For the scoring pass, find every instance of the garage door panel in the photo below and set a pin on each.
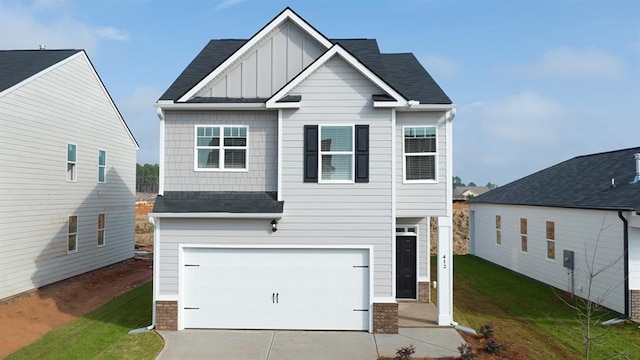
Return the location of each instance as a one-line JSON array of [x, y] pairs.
[[276, 289]]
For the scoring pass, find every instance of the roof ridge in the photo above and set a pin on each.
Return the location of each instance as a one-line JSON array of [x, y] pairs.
[[607, 152]]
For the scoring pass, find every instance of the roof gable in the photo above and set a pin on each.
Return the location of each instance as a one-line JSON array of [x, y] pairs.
[[582, 182], [17, 66]]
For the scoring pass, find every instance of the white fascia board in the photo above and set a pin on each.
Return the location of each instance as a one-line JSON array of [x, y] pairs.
[[283, 105], [210, 106], [351, 60], [287, 14], [388, 104], [220, 215], [428, 107]]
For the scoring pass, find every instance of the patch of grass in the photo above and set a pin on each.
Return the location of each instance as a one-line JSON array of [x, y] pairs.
[[102, 333], [528, 315]]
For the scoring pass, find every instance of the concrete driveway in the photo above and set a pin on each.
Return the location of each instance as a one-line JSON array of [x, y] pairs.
[[434, 342]]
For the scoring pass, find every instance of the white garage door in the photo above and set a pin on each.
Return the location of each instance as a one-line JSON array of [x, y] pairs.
[[313, 289]]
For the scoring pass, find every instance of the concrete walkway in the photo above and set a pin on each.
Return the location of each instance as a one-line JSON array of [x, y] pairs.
[[436, 342]]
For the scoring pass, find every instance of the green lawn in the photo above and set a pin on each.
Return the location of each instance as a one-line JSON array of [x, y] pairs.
[[530, 315], [102, 333]]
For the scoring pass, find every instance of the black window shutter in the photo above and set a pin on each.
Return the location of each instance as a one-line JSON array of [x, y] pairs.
[[311, 153], [362, 153]]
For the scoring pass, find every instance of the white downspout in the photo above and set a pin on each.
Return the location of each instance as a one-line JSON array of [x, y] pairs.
[[155, 261]]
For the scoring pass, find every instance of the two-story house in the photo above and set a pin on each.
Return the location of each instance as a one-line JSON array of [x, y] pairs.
[[298, 174], [67, 171]]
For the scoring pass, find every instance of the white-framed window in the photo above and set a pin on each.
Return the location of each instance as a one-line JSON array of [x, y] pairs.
[[402, 229], [102, 165], [551, 240], [72, 234], [524, 246], [336, 153], [498, 230], [420, 153], [72, 155], [101, 226], [221, 148]]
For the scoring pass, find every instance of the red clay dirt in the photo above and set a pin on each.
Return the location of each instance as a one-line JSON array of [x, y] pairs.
[[28, 317]]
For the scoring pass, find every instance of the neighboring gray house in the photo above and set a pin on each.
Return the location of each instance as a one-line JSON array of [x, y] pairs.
[[297, 178], [587, 207], [67, 171], [462, 193]]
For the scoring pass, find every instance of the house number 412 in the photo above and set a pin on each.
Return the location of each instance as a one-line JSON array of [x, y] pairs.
[[444, 261]]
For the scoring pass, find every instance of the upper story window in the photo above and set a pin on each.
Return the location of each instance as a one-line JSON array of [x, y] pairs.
[[71, 162], [420, 154], [102, 164], [221, 148], [336, 153]]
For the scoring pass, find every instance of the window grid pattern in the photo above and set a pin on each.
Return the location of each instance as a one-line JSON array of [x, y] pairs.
[[420, 153], [221, 147]]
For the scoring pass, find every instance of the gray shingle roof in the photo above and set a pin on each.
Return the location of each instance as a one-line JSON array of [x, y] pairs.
[[581, 182], [403, 72], [217, 202], [19, 65]]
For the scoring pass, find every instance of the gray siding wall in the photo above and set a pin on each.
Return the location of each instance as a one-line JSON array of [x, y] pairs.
[[420, 199], [179, 152], [37, 120], [267, 67], [575, 229], [324, 214]]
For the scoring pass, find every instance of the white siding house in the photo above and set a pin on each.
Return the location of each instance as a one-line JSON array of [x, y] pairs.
[[586, 207], [67, 171], [297, 178]]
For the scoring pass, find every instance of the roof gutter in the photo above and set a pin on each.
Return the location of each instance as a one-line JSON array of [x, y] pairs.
[[415, 106], [625, 236], [169, 105], [217, 215]]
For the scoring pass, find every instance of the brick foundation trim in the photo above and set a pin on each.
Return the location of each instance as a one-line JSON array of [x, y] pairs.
[[385, 318], [635, 305], [167, 315], [424, 292]]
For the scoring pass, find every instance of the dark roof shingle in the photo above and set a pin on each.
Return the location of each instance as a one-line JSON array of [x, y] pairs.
[[581, 182], [237, 202], [19, 65]]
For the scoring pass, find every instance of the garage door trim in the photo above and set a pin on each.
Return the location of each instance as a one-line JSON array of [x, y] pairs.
[[181, 264]]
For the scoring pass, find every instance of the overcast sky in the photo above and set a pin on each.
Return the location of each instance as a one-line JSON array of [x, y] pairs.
[[536, 81]]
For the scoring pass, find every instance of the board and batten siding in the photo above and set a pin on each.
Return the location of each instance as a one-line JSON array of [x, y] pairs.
[[39, 118], [263, 70], [575, 229], [180, 130], [421, 199]]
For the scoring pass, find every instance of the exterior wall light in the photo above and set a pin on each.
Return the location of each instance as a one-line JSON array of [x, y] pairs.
[[274, 225]]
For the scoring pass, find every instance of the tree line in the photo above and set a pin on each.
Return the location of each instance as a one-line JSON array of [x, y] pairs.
[[457, 182], [147, 178]]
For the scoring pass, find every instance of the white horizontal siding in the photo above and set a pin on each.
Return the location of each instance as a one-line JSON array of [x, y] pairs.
[[64, 105], [268, 66], [583, 231], [179, 152], [420, 199], [634, 258]]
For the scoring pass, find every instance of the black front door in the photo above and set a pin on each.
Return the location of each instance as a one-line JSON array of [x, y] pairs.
[[406, 267]]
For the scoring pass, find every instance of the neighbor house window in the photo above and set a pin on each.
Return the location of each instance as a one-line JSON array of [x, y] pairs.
[[551, 240], [221, 148], [420, 153], [336, 153], [523, 234], [72, 231], [102, 163], [71, 162], [498, 230], [101, 226]]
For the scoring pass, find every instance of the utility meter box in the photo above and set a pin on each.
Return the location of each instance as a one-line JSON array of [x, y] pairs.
[[567, 259]]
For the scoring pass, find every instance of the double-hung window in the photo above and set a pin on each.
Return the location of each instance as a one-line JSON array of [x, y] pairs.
[[420, 153], [101, 227], [523, 235], [498, 230], [551, 240], [72, 234], [221, 148], [336, 153], [102, 164], [71, 162]]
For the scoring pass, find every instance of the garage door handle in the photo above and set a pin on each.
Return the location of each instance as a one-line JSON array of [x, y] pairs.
[[273, 296], [277, 298]]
